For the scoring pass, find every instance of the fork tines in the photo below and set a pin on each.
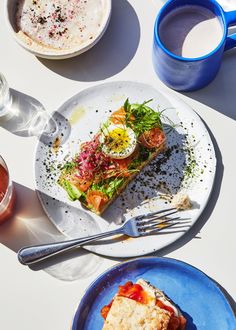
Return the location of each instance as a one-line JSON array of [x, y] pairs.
[[154, 222], [151, 217], [157, 224], [151, 214]]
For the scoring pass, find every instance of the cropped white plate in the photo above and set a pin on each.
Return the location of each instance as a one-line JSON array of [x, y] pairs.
[[189, 165]]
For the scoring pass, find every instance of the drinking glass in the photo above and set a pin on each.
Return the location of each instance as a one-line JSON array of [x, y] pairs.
[[23, 114], [5, 97], [7, 194]]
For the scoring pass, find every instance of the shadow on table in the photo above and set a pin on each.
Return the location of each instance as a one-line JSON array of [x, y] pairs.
[[110, 55], [27, 117], [30, 226], [220, 94]]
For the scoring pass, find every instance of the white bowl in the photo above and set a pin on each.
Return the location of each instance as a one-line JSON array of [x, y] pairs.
[[44, 52]]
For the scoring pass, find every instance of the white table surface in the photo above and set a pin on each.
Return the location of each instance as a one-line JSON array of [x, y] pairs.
[[47, 298]]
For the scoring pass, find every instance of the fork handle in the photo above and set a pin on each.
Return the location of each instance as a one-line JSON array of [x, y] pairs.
[[31, 254]]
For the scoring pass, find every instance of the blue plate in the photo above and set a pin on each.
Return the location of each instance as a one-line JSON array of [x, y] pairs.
[[200, 299]]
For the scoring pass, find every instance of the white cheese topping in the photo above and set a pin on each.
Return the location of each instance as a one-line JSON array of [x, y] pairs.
[[154, 292]]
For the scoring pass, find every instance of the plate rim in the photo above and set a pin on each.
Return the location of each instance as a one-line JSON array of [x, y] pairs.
[[171, 98], [172, 261]]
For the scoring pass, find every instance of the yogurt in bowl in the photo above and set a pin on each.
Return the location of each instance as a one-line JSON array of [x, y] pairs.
[[58, 28]]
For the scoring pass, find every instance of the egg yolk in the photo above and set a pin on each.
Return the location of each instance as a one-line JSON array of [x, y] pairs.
[[117, 140]]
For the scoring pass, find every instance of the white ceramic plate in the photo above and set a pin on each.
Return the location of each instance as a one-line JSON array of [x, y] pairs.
[[189, 165]]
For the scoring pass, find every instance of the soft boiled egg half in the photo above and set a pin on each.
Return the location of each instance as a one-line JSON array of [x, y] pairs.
[[118, 141]]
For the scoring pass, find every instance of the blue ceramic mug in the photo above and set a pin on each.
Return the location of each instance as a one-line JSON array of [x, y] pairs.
[[188, 74]]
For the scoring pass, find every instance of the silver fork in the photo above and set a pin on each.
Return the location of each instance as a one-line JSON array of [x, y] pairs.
[[146, 224]]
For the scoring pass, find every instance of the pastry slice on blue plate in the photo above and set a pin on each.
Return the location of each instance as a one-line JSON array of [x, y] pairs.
[[141, 306]]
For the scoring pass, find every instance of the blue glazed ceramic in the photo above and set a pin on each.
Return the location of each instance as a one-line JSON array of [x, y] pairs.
[[188, 74], [199, 298]]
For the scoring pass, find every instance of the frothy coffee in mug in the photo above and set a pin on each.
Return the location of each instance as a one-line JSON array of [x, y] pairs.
[[191, 31]]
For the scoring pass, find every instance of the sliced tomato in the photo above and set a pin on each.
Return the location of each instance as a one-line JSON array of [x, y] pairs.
[[82, 184], [124, 288], [105, 310], [153, 138], [96, 199], [118, 116], [133, 291], [174, 323], [183, 322], [107, 174], [160, 304], [123, 164]]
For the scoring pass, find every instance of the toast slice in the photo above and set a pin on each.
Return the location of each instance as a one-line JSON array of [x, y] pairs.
[[129, 140], [127, 314], [142, 306]]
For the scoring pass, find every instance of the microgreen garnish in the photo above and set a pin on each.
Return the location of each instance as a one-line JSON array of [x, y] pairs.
[[68, 166], [141, 117]]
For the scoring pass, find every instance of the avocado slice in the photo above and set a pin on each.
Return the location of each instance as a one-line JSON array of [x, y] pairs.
[[73, 192]]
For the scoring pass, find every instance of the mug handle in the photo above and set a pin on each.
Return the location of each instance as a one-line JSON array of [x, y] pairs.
[[230, 18]]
